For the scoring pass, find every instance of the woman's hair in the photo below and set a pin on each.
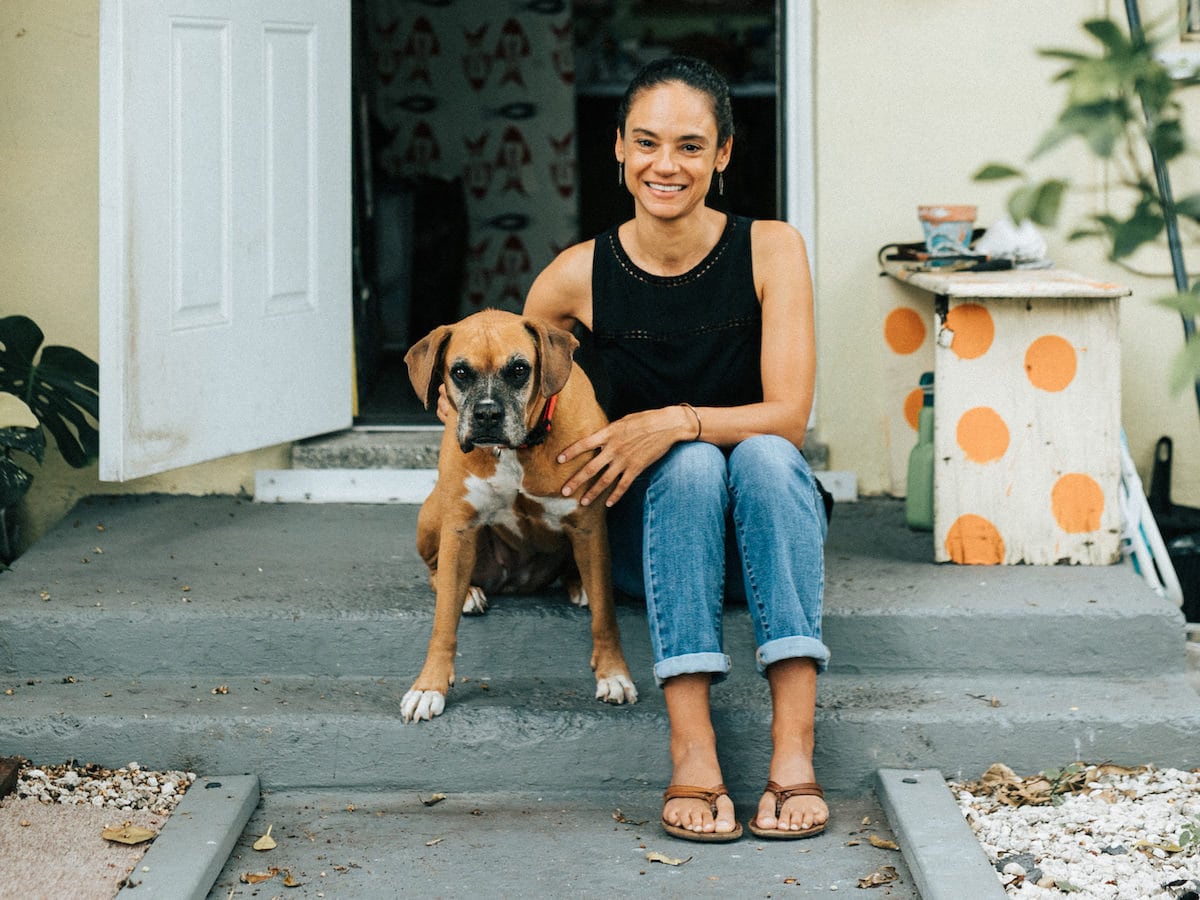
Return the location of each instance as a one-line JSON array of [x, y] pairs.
[[696, 74]]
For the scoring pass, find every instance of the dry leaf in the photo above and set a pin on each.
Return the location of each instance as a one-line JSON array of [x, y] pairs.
[[436, 798], [619, 816], [259, 877], [434, 842], [655, 856], [289, 881], [221, 689], [266, 842], [24, 823], [128, 834], [883, 843], [882, 875]]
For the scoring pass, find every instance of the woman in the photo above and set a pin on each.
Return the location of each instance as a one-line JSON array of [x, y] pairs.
[[703, 327]]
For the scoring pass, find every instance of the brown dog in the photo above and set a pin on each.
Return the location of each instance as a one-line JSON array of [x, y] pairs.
[[496, 520]]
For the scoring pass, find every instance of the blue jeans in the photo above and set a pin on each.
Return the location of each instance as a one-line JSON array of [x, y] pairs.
[[673, 545]]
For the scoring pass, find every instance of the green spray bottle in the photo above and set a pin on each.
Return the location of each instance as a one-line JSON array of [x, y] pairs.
[[918, 498]]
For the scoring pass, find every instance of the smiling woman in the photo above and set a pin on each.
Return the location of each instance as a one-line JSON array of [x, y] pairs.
[[703, 343]]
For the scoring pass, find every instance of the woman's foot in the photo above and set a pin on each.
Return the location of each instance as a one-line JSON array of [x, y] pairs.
[[695, 814], [793, 695], [694, 758], [796, 817]]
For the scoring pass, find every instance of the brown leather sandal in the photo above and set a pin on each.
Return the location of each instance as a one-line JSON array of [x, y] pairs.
[[782, 794], [709, 796]]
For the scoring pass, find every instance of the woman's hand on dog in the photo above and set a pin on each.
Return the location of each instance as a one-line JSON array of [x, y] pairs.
[[624, 449]]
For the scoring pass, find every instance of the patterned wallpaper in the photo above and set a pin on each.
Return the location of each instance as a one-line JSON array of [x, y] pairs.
[[482, 90]]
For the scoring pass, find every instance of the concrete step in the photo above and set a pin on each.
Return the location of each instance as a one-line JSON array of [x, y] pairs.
[[550, 735], [216, 586]]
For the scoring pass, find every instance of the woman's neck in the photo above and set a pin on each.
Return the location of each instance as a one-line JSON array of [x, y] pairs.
[[675, 246]]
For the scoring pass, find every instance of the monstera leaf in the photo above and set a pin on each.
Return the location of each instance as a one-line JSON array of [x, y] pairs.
[[15, 481], [62, 388]]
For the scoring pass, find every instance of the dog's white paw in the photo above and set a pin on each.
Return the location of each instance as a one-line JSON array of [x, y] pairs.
[[417, 705], [476, 603], [616, 689], [577, 595]]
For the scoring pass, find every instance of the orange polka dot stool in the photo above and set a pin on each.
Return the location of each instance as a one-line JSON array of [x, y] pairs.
[[1027, 429]]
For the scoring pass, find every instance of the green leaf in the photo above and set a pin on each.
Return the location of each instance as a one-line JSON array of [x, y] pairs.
[[1142, 227], [995, 172], [1167, 138], [1185, 304], [62, 388], [14, 483], [1185, 366], [27, 440], [1189, 206], [1048, 201], [1110, 35]]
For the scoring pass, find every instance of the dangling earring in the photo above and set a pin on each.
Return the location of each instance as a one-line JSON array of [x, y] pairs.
[[721, 183], [620, 173]]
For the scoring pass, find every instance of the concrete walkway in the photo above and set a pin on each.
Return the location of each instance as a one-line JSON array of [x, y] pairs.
[[231, 637]]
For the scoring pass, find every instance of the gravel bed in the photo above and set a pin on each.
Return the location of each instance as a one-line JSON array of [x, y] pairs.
[[127, 788], [1089, 831]]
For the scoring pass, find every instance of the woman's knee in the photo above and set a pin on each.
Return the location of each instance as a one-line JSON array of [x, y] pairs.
[[691, 466], [768, 459]]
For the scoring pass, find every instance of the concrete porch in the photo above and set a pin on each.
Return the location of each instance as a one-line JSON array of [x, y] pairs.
[[227, 636]]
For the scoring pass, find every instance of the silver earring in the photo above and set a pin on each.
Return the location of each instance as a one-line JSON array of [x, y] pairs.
[[620, 173], [721, 183]]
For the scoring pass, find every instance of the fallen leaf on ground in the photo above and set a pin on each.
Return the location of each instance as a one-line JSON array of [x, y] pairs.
[[883, 843], [221, 689], [289, 881], [259, 877], [625, 820], [128, 834], [882, 875], [434, 842], [655, 856], [436, 798], [266, 842]]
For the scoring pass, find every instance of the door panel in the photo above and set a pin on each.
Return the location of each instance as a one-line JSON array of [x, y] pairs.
[[225, 242]]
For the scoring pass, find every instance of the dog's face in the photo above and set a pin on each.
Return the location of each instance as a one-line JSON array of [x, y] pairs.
[[498, 369]]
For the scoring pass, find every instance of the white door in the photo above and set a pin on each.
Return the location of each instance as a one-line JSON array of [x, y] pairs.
[[225, 228]]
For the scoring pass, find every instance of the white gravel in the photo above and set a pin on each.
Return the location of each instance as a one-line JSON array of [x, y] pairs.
[[1110, 833], [127, 788]]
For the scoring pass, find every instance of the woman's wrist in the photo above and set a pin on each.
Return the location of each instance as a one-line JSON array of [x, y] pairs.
[[693, 417]]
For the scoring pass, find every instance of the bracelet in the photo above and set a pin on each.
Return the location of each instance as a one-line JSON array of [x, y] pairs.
[[699, 426]]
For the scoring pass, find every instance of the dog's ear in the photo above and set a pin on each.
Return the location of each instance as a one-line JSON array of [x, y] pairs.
[[424, 361], [556, 348]]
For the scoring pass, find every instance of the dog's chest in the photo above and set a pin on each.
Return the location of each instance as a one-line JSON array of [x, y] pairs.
[[500, 499]]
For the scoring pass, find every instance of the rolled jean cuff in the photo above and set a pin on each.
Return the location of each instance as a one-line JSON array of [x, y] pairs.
[[792, 648], [717, 664]]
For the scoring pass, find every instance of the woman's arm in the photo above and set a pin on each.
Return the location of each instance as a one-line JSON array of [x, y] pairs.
[[788, 360]]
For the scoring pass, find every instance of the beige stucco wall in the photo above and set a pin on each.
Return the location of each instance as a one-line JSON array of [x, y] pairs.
[[912, 98]]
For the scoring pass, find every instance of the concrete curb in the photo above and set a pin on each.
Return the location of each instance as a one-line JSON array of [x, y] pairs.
[[190, 852], [942, 854]]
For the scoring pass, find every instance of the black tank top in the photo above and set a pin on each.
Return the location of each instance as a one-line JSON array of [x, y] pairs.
[[693, 338]]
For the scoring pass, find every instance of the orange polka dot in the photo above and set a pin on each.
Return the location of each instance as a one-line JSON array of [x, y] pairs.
[[982, 434], [973, 330], [1077, 502], [1050, 363], [912, 407], [904, 330], [974, 541]]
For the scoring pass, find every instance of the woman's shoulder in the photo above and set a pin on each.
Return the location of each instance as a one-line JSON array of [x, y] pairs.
[[563, 290], [773, 235]]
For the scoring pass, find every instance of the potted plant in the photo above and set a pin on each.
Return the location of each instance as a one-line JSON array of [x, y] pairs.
[[1123, 102], [61, 390]]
